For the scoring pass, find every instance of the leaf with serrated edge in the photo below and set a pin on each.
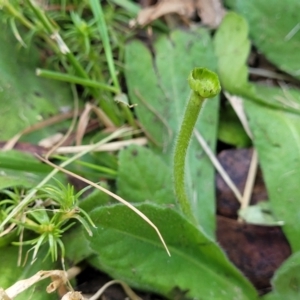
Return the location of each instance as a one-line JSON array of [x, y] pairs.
[[129, 249]]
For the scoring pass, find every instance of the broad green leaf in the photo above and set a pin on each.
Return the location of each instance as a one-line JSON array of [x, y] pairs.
[[95, 199], [22, 161], [10, 179], [144, 176], [232, 48], [286, 280], [275, 30], [26, 99], [8, 238], [19, 169], [11, 272], [129, 249], [76, 245], [277, 139], [159, 86], [271, 296]]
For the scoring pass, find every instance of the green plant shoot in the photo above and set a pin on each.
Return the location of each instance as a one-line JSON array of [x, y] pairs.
[[204, 84]]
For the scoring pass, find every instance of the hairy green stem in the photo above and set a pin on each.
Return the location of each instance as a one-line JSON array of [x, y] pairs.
[[189, 120], [204, 84]]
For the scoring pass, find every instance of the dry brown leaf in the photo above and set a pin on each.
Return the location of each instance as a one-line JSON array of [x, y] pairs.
[[51, 140], [73, 296], [85, 118], [211, 12], [164, 7], [24, 284], [129, 292], [3, 295]]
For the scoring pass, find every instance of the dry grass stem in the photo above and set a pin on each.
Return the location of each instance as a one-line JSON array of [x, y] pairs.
[[129, 292], [218, 166], [51, 121], [113, 146], [237, 104], [24, 284], [250, 180]]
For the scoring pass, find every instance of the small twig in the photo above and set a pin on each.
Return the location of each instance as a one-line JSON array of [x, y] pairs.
[[84, 120], [237, 105], [106, 121], [130, 293], [7, 231]]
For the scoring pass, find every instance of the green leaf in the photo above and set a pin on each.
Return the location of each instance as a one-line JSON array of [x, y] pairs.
[[129, 249], [275, 30], [277, 139], [271, 296], [159, 86], [259, 214], [26, 99], [22, 161], [231, 130], [11, 273], [77, 246], [20, 169], [286, 281], [144, 176], [95, 199], [232, 48]]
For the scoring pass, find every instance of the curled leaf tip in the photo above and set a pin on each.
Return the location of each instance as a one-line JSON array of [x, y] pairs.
[[204, 82]]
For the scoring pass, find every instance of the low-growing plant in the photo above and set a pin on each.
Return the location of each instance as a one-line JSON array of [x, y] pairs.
[[170, 183]]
